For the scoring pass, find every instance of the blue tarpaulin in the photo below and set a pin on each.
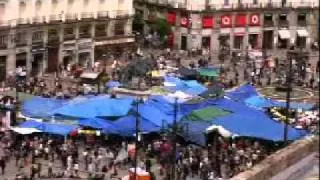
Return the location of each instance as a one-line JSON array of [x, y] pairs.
[[98, 123], [127, 125], [294, 105], [51, 128], [195, 131], [39, 107], [259, 102], [242, 93], [101, 106], [190, 87]]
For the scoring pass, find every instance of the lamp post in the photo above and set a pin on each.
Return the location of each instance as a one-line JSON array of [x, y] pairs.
[[288, 96], [137, 138], [174, 140]]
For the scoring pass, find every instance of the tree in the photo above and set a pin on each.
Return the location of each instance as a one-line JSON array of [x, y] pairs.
[[162, 27], [137, 23]]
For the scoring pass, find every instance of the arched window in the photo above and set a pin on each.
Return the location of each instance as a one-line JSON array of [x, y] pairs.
[[54, 5], [22, 7], [38, 7]]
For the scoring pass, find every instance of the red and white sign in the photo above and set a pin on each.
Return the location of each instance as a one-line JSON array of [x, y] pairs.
[[171, 18], [207, 22], [226, 21], [184, 21], [241, 20], [254, 20]]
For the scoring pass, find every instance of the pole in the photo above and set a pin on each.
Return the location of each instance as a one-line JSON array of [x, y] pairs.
[[174, 140], [137, 141], [285, 135]]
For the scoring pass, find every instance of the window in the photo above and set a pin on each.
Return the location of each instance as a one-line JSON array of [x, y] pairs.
[[238, 42], [22, 7], [84, 31], [54, 4], [21, 38], [121, 2], [255, 2], [268, 17], [85, 2], [53, 33], [68, 31], [100, 30], [226, 2], [38, 5], [119, 28], [283, 17], [301, 17], [37, 36], [3, 39], [102, 1]]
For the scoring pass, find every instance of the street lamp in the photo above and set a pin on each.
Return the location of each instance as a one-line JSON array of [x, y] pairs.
[[138, 101]]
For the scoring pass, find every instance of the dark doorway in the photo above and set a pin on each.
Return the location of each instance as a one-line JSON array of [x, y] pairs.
[[254, 41], [3, 62], [206, 41], [267, 40], [53, 59], [184, 42], [36, 64]]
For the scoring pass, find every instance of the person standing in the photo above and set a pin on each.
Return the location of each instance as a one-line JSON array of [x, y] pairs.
[[2, 165]]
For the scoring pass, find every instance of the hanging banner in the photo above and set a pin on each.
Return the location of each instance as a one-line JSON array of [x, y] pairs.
[[171, 18], [226, 21], [207, 22], [254, 20], [241, 20]]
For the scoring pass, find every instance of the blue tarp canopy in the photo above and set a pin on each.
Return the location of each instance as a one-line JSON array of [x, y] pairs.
[[39, 107], [101, 106], [190, 87], [97, 123], [195, 131], [113, 84], [51, 128], [260, 102], [127, 125], [242, 93], [295, 105]]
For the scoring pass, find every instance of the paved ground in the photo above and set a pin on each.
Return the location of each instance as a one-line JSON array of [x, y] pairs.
[[306, 169]]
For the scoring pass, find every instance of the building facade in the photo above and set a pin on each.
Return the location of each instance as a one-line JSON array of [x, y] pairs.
[[41, 35], [240, 25]]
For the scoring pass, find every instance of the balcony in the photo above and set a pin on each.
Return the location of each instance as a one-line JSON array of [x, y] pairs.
[[268, 23], [39, 19], [53, 39], [103, 15], [302, 23], [21, 21], [100, 33], [21, 43], [70, 17], [84, 35], [68, 37], [87, 15], [283, 24], [55, 18]]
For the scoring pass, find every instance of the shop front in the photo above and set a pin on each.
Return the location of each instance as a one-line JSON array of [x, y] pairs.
[[3, 71], [37, 64]]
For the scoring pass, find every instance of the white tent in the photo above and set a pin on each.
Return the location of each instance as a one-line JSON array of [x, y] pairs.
[[224, 132], [24, 131]]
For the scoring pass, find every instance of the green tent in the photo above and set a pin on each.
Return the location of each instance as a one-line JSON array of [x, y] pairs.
[[206, 114], [210, 72]]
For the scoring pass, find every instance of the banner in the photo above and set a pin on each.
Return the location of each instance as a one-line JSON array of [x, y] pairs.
[[184, 21], [171, 18], [226, 21], [207, 22], [241, 20], [254, 20]]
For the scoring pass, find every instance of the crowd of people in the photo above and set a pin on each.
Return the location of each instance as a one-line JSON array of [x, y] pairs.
[[41, 156]]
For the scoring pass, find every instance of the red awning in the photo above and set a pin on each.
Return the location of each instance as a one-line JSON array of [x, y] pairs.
[[207, 22], [171, 18], [241, 20]]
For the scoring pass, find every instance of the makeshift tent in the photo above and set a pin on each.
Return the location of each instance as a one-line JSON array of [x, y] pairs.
[[194, 131], [113, 84], [260, 102], [212, 92], [242, 93], [51, 128], [105, 125], [206, 114], [41, 107], [127, 125], [210, 72], [101, 106], [294, 105]]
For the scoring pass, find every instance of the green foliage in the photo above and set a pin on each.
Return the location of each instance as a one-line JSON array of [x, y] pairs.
[[162, 27], [138, 67]]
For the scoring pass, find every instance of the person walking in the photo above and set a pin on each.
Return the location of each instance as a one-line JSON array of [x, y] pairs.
[[2, 165]]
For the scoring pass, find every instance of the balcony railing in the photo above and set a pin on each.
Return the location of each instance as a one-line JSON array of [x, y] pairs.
[[68, 37], [266, 5], [21, 43], [87, 15], [39, 19], [84, 35], [302, 23], [268, 23], [103, 14], [55, 18], [71, 17], [53, 39], [283, 23], [23, 21], [3, 46]]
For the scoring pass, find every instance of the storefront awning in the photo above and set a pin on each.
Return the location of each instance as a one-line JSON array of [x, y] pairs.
[[284, 34], [89, 75], [302, 33]]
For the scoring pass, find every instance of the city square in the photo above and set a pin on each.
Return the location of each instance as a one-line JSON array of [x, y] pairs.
[[159, 89]]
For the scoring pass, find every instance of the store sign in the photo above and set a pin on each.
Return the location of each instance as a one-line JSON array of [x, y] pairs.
[[207, 22], [171, 18], [226, 21], [184, 21], [241, 20], [254, 20]]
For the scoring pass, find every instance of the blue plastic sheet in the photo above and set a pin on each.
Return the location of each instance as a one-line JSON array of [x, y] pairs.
[[102, 106], [113, 84], [127, 126], [242, 93], [98, 123], [51, 128], [39, 107]]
